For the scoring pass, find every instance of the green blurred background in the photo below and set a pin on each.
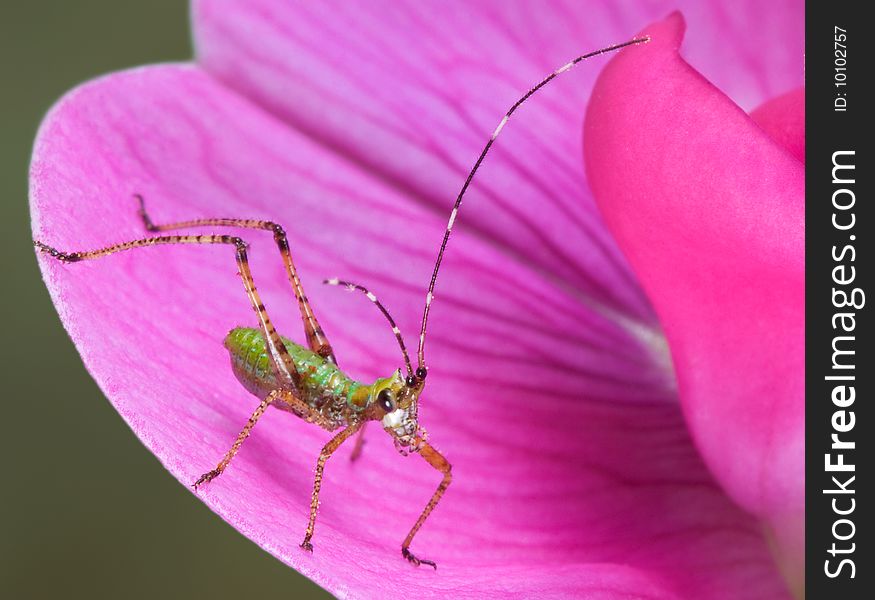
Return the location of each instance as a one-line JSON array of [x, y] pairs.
[[85, 510]]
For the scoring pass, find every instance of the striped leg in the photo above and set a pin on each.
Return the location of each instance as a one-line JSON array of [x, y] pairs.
[[284, 397], [329, 448], [282, 363], [316, 338], [241, 437], [435, 459]]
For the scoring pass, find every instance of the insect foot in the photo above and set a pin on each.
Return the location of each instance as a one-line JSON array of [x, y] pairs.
[[206, 478], [306, 545], [54, 253], [406, 553]]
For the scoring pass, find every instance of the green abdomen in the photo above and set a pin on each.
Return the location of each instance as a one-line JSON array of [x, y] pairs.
[[322, 382]]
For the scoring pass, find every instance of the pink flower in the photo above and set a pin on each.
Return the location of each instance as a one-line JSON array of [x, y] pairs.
[[578, 472]]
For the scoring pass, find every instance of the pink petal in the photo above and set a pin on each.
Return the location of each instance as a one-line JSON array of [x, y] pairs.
[[783, 118], [557, 492], [411, 91], [709, 211]]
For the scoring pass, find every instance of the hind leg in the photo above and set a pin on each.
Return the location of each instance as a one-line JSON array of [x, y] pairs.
[[281, 362], [316, 338]]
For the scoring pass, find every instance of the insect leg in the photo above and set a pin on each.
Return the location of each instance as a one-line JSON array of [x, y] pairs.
[[281, 361], [324, 455], [241, 437], [436, 460], [316, 339], [359, 443]]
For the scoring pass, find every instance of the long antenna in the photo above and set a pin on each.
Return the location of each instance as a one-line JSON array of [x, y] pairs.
[[356, 287], [421, 370]]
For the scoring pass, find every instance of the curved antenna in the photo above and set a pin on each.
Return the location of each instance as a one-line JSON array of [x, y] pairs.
[[437, 265], [356, 287]]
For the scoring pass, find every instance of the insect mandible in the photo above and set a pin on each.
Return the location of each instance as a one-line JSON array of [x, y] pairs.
[[306, 381]]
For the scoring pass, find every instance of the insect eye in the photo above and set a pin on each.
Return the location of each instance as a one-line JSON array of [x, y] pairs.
[[421, 373], [410, 381], [386, 400]]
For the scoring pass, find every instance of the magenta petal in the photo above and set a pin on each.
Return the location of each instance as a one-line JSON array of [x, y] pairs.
[[411, 89], [709, 211], [558, 492], [783, 118]]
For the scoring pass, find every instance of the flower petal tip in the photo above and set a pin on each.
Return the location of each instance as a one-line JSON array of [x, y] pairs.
[[669, 32]]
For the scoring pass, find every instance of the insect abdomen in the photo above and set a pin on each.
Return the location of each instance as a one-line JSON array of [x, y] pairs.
[[324, 386]]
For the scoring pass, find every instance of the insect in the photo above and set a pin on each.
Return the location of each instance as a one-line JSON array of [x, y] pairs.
[[305, 380]]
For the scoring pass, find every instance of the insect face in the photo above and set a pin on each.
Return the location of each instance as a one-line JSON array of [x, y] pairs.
[[395, 402]]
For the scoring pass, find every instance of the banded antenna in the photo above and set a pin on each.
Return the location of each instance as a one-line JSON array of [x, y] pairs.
[[421, 370], [356, 287]]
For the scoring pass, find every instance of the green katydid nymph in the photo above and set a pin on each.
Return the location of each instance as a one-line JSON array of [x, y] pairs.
[[305, 379]]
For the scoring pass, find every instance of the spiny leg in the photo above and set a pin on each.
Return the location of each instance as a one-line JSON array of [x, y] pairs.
[[327, 450], [241, 437], [281, 362], [298, 406], [436, 460], [316, 339]]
